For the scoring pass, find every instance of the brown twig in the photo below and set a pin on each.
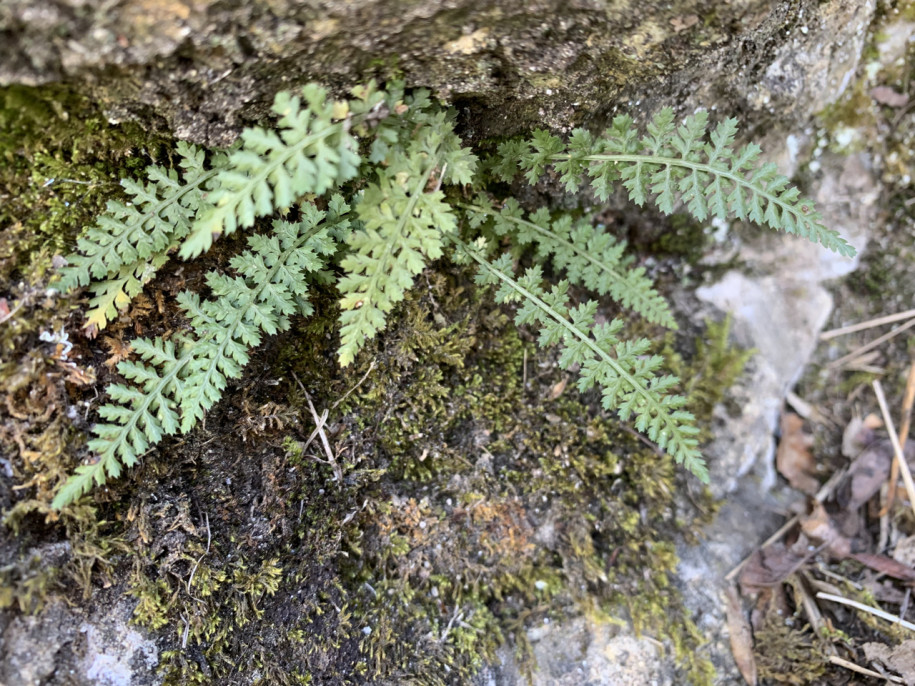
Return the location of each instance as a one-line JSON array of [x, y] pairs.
[[854, 354], [834, 659]]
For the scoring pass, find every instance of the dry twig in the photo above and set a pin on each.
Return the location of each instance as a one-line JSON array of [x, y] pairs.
[[854, 354], [879, 321], [897, 449], [877, 612]]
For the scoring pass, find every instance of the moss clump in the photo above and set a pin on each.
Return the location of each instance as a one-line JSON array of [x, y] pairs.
[[788, 655], [61, 162]]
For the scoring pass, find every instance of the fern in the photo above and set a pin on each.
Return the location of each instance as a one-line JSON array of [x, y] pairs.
[[312, 151], [404, 226], [176, 382], [407, 217], [679, 163], [626, 377], [131, 242], [588, 256]]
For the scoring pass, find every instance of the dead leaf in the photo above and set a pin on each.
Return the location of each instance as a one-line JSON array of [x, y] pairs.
[[793, 459], [558, 388], [680, 24], [885, 565], [822, 530], [859, 434], [889, 96], [865, 475], [741, 636], [769, 566], [900, 659], [118, 350]]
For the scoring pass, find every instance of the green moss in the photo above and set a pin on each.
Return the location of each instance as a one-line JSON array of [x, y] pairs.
[[61, 162]]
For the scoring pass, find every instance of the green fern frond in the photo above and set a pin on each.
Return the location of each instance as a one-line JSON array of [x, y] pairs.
[[627, 377], [128, 244], [588, 255], [403, 227], [174, 385], [670, 164], [312, 151]]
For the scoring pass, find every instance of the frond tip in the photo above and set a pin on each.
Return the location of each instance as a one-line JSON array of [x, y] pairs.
[[670, 164], [174, 383], [627, 377]]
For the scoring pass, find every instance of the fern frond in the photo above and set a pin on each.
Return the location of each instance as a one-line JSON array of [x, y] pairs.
[[122, 252], [588, 255], [627, 377], [403, 226], [312, 151], [174, 385], [670, 164]]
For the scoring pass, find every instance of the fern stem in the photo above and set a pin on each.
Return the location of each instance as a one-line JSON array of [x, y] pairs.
[[401, 225], [281, 160], [184, 191], [669, 162], [187, 353]]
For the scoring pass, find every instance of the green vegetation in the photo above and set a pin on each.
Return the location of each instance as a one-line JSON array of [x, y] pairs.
[[403, 220], [472, 495]]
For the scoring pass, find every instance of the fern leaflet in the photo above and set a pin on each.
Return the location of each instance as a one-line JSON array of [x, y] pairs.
[[175, 384], [589, 256], [311, 152], [123, 251], [671, 162], [620, 368], [403, 227]]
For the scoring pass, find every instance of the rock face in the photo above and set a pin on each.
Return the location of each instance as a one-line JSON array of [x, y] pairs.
[[199, 68]]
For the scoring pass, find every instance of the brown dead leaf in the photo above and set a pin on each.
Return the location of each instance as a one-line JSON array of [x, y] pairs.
[[859, 434], [819, 527], [865, 475], [118, 350], [885, 565], [558, 388], [769, 566], [793, 459], [889, 96], [741, 637], [900, 659]]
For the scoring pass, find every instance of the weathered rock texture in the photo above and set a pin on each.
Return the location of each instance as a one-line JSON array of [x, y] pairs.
[[199, 68]]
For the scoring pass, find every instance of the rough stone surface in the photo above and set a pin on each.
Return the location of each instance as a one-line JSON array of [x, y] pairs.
[[200, 68], [95, 645]]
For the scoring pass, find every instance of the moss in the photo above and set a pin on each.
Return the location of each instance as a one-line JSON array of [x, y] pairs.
[[61, 161], [473, 496], [787, 655], [851, 122]]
